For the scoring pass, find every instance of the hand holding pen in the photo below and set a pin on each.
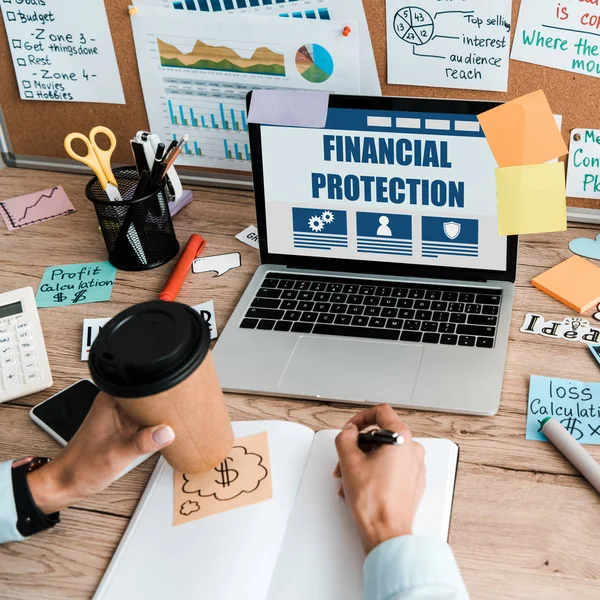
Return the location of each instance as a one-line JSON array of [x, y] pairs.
[[382, 487]]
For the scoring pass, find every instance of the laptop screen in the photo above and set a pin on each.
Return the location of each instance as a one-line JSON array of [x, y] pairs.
[[386, 186]]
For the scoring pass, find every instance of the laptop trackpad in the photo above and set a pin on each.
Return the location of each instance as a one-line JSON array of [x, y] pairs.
[[358, 370]]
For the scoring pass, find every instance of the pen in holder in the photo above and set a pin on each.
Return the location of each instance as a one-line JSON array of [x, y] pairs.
[[138, 233]]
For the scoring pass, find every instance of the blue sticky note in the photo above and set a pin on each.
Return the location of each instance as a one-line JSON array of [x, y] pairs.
[[76, 284], [575, 404]]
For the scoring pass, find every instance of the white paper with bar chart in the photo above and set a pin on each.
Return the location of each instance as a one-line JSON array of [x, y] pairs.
[[195, 74]]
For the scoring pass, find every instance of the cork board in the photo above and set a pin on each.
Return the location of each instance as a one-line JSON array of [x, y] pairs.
[[38, 128]]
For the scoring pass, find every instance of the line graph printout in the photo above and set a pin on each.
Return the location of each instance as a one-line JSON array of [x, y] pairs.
[[196, 73], [36, 207], [352, 10], [458, 44], [563, 35]]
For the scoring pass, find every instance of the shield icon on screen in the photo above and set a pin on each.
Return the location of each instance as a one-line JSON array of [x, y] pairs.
[[452, 230]]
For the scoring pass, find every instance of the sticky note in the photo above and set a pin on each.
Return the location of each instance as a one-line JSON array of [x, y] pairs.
[[35, 207], [289, 108], [76, 284], [523, 131], [531, 199], [574, 282], [573, 403], [243, 478]]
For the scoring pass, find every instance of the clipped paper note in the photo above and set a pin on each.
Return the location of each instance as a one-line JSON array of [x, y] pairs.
[[575, 282], [62, 51], [562, 35], [242, 479], [36, 207], [207, 311], [573, 403], [437, 44], [583, 176], [531, 199], [91, 329], [523, 131], [64, 285], [249, 236], [220, 264]]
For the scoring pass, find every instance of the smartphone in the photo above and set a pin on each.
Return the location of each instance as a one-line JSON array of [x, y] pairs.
[[61, 415]]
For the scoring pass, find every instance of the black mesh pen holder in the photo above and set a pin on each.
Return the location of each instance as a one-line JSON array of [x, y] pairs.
[[139, 233]]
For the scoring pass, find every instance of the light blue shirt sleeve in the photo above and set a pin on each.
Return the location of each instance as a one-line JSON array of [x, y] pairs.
[[413, 568], [8, 510]]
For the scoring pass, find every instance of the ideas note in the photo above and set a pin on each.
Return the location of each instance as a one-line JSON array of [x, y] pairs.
[[455, 44], [242, 479]]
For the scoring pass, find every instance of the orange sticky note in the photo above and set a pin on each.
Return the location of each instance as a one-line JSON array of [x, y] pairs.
[[242, 479], [574, 282], [523, 131]]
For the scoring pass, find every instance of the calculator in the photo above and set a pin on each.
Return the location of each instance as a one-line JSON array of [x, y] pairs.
[[24, 367]]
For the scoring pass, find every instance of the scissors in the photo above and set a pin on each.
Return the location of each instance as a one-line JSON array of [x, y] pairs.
[[97, 159]]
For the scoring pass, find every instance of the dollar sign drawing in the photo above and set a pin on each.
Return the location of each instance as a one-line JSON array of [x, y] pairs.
[[60, 297], [80, 295], [228, 476], [570, 424]]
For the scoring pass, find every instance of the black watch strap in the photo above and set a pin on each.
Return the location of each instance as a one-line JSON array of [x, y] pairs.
[[30, 519]]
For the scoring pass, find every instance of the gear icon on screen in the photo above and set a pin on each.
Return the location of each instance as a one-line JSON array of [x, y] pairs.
[[327, 217], [316, 224]]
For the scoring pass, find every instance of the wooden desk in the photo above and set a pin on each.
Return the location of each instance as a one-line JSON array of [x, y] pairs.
[[524, 524]]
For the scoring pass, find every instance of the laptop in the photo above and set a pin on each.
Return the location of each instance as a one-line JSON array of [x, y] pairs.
[[383, 276]]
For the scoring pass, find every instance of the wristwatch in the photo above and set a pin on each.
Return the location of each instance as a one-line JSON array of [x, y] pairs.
[[30, 519]]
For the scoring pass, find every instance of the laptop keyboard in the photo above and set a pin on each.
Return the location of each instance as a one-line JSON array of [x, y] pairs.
[[382, 310]]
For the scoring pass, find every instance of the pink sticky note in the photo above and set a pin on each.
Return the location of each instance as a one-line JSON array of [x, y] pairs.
[[34, 208]]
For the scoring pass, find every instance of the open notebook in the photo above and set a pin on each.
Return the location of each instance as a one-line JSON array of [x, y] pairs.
[[300, 544]]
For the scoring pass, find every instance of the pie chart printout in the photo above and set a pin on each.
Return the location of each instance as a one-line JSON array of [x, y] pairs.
[[314, 63]]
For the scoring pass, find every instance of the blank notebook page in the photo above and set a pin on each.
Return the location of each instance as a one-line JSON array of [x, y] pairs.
[[230, 556], [322, 557]]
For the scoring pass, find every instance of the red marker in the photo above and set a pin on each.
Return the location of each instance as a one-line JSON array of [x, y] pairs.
[[192, 250]]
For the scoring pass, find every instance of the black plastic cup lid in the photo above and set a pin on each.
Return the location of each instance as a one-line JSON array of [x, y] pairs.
[[148, 349]]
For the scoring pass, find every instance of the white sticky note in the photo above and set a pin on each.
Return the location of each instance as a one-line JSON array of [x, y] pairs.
[[63, 51], [207, 311], [562, 35], [91, 329], [220, 264], [249, 236], [583, 176], [462, 45], [289, 108]]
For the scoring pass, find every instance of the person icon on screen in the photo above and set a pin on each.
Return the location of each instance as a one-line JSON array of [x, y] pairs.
[[384, 229]]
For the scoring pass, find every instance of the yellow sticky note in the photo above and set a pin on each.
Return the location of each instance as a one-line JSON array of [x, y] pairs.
[[523, 131], [574, 282], [531, 199]]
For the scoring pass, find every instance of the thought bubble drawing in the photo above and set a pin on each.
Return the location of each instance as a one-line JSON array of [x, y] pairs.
[[189, 507], [240, 473], [220, 264]]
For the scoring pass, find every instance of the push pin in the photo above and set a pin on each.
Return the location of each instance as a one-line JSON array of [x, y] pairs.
[[133, 10], [347, 31], [577, 137]]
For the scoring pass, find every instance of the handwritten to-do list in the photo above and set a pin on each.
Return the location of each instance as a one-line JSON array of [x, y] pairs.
[[583, 176], [562, 34], [62, 50], [574, 403], [453, 44]]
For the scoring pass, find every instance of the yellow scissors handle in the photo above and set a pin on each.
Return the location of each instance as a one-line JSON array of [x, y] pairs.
[[104, 155], [90, 159]]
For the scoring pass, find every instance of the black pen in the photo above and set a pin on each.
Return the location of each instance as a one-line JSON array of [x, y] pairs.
[[169, 149], [379, 437]]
